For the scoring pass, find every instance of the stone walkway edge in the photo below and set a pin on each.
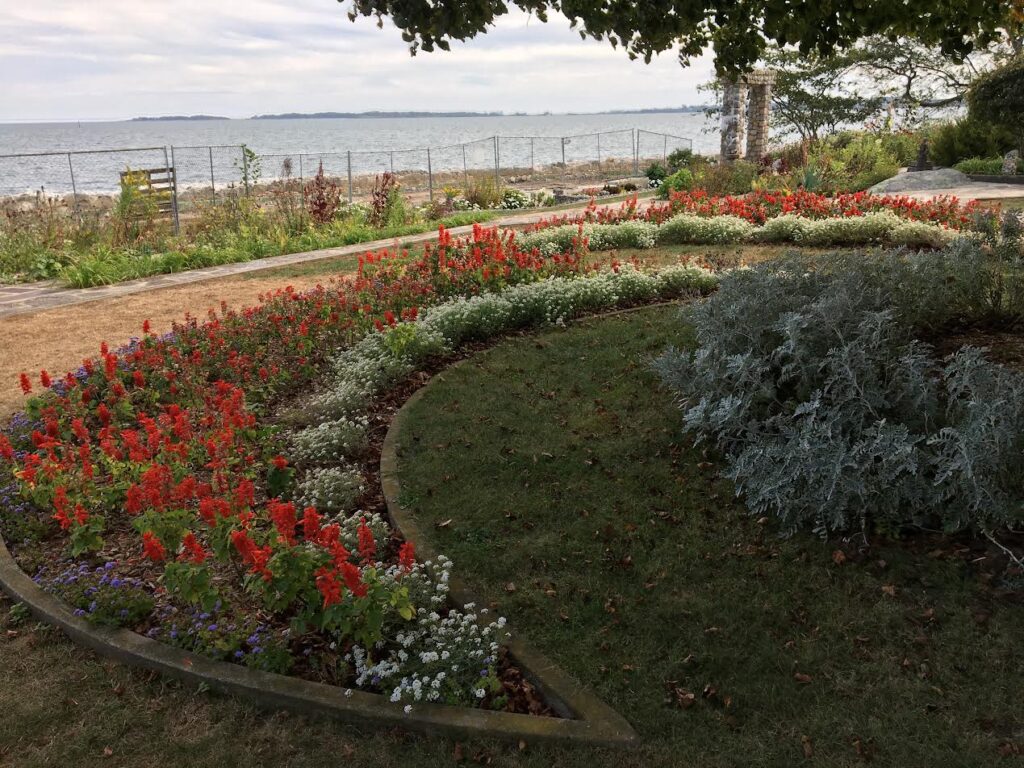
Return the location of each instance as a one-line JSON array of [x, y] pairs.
[[21, 299]]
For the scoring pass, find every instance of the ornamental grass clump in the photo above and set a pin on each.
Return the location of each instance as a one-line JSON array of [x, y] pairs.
[[832, 416]]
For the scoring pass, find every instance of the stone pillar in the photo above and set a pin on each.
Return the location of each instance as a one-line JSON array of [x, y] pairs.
[[760, 83], [734, 119]]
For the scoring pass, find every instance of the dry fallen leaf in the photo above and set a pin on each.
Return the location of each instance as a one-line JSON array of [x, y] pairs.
[[510, 587], [839, 557], [805, 740], [889, 589], [802, 678], [444, 523]]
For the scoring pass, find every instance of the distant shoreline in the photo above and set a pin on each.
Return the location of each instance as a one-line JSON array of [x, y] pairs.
[[378, 114]]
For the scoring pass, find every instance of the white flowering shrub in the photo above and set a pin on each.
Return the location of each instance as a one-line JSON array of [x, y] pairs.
[[719, 230], [831, 415], [349, 525], [330, 489], [330, 441], [921, 234], [514, 199]]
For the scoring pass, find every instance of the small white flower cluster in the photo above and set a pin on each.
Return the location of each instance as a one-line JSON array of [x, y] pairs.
[[331, 440], [687, 228], [330, 489], [600, 237], [514, 199], [440, 656]]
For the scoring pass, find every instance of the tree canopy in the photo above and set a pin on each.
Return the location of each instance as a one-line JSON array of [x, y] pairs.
[[738, 30], [998, 97]]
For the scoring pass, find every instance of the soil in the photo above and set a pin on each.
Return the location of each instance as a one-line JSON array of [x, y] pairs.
[[1002, 346]]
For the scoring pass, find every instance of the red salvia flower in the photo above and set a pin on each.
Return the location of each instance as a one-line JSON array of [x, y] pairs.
[[152, 548], [329, 586], [26, 383], [44, 379], [192, 550], [407, 556], [367, 545]]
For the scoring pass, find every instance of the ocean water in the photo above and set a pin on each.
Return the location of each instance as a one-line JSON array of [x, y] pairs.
[[207, 152]]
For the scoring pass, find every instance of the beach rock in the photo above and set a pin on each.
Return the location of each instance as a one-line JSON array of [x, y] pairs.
[[940, 178]]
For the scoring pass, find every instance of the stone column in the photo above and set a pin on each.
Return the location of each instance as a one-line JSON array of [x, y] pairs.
[[760, 83], [734, 119]]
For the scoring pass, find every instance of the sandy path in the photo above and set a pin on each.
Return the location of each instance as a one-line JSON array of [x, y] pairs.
[[57, 340]]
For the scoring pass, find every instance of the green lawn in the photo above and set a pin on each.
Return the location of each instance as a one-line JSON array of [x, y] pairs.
[[579, 510]]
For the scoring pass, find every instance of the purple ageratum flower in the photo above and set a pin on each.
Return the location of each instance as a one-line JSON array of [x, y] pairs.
[[212, 628], [79, 612], [239, 654]]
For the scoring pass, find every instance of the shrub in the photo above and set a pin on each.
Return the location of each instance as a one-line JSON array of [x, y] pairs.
[[680, 158], [986, 166], [832, 417], [679, 181], [514, 199], [484, 192], [969, 137], [735, 178], [998, 98], [656, 172]]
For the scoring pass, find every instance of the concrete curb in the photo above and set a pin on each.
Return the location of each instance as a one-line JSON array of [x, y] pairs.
[[273, 691], [585, 719]]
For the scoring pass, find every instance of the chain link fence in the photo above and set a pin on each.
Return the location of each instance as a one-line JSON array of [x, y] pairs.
[[206, 174]]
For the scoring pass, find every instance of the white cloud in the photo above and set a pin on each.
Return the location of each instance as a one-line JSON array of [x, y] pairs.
[[110, 59]]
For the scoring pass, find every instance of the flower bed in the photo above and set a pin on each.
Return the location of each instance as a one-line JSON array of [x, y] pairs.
[[162, 469], [800, 218]]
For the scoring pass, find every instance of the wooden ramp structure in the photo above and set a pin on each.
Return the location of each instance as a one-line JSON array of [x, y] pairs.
[[156, 187]]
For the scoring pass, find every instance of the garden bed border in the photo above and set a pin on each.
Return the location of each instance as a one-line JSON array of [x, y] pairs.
[[584, 719]]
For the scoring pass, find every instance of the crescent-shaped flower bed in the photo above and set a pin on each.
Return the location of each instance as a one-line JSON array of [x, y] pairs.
[[216, 489]]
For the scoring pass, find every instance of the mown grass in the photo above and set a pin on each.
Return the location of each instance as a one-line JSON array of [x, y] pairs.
[[582, 513], [579, 510]]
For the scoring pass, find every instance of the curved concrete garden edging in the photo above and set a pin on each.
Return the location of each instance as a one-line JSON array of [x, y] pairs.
[[584, 718], [275, 691]]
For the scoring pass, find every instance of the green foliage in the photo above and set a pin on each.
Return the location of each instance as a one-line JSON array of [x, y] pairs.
[[679, 181], [985, 166], [998, 97], [831, 415], [735, 178], [484, 192], [738, 36], [656, 172], [969, 137]]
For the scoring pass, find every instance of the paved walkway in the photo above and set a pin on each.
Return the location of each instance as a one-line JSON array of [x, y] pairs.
[[38, 297], [974, 191]]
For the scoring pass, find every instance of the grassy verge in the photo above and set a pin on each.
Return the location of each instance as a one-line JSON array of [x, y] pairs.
[[1006, 203], [581, 513]]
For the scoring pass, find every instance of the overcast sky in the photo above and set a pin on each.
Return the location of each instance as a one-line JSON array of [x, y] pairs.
[[109, 59]]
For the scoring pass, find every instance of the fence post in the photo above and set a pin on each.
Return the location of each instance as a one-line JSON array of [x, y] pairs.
[[430, 178], [350, 177], [172, 174], [465, 168], [532, 168], [245, 169], [599, 151], [74, 189], [665, 153], [497, 162], [636, 151], [302, 180], [391, 160], [213, 181], [565, 168]]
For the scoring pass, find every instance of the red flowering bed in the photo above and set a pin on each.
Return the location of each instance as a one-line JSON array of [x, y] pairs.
[[758, 207], [164, 443]]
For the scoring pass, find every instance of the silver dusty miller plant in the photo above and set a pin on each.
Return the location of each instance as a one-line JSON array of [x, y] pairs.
[[830, 413]]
